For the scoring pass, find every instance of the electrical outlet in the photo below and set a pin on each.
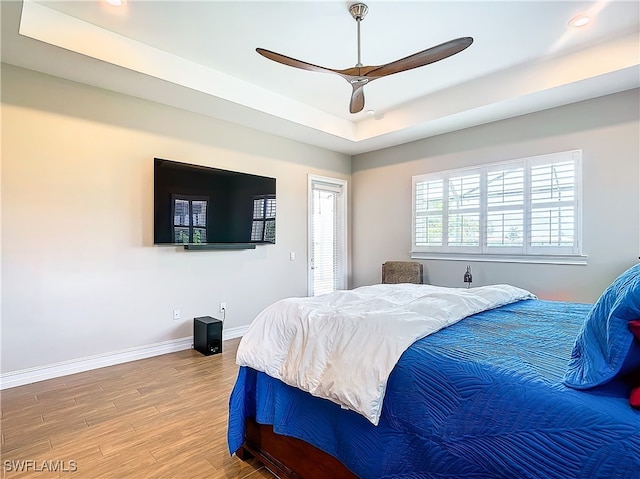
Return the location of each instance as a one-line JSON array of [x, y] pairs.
[[176, 314], [223, 307]]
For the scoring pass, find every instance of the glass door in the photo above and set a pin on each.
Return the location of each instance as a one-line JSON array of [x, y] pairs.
[[327, 235]]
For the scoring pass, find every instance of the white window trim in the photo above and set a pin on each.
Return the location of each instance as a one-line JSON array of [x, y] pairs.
[[571, 259], [545, 255]]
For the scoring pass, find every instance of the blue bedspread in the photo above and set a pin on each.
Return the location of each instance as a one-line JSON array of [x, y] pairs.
[[481, 399]]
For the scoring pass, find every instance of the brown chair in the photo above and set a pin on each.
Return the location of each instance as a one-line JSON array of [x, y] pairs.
[[394, 272]]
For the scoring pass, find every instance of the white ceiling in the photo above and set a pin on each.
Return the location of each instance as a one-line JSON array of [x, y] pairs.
[[200, 56]]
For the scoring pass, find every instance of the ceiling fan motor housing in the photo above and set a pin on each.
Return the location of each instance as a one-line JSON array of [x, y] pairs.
[[358, 11]]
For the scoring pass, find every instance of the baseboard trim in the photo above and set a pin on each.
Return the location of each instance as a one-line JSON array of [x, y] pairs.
[[42, 373]]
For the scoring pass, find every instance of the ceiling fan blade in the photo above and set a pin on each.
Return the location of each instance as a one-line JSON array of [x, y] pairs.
[[357, 98], [430, 55], [292, 62]]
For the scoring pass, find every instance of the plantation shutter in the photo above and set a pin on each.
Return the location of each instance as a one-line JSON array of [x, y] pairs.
[[553, 204], [506, 208], [515, 209], [463, 228], [428, 217]]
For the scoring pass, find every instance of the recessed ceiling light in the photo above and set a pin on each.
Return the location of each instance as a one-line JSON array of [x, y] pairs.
[[371, 112], [115, 3], [579, 21]]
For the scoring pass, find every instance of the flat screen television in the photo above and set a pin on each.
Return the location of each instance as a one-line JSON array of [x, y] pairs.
[[198, 205]]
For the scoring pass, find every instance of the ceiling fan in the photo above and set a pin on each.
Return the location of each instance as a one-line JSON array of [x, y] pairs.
[[360, 75]]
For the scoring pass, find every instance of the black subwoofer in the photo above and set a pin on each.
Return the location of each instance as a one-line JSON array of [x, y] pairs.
[[207, 335]]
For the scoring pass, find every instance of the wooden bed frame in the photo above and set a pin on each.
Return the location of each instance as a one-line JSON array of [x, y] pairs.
[[288, 457]]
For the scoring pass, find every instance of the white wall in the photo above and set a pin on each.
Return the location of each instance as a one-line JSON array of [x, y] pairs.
[[607, 129], [80, 276]]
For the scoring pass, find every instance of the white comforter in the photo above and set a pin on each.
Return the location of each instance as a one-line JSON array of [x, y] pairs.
[[342, 346]]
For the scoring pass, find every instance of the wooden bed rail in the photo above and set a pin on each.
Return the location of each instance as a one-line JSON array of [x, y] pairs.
[[288, 457]]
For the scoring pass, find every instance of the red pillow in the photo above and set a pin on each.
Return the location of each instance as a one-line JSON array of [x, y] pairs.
[[634, 397], [634, 326]]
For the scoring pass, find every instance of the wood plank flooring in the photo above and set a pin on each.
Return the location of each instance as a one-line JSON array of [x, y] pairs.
[[161, 417]]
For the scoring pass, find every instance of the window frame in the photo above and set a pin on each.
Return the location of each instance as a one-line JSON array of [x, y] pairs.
[[527, 253]]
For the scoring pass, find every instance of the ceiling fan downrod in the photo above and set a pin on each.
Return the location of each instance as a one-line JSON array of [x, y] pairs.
[[358, 12]]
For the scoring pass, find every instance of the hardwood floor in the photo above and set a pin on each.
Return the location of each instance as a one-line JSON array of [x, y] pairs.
[[162, 417]]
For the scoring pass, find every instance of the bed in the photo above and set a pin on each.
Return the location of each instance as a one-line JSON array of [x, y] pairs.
[[516, 391]]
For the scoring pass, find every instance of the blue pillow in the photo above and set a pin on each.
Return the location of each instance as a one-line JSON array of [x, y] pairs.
[[604, 347]]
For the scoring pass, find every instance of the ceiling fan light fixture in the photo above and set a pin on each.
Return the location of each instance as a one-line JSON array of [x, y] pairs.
[[579, 20]]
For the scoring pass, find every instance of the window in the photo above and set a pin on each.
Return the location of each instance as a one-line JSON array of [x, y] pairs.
[[263, 228], [524, 208], [189, 219]]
